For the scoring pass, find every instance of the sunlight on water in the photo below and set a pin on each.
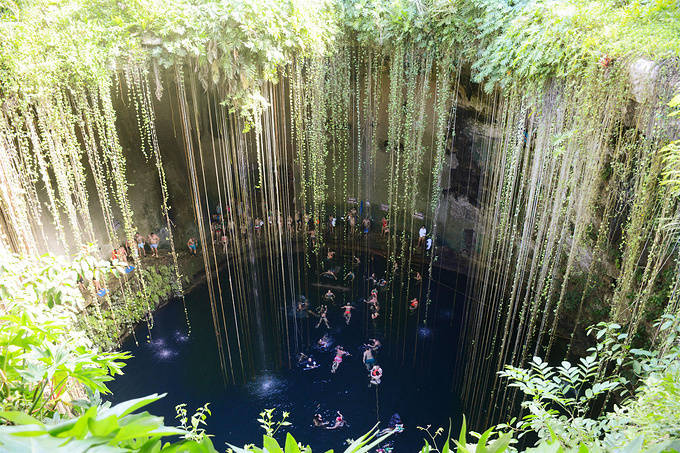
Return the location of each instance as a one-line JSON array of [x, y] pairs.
[[161, 350], [266, 386], [424, 332]]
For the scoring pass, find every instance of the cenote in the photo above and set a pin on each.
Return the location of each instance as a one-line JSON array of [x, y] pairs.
[[473, 204], [418, 371]]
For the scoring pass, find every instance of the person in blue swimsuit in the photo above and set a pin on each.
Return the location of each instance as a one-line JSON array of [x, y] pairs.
[[191, 243], [369, 359], [139, 239], [153, 243]]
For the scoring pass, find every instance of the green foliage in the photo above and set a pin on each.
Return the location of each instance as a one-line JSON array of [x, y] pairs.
[[489, 441], [270, 424], [102, 429], [129, 305], [520, 41], [560, 399], [193, 426], [671, 152], [234, 43], [44, 362], [364, 444]]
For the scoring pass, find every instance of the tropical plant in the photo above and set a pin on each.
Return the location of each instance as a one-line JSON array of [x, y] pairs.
[[560, 399], [46, 364], [269, 423], [364, 444], [105, 429], [193, 425]]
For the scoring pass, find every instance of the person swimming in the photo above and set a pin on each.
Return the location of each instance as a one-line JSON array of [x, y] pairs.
[[368, 358], [324, 341], [374, 344], [372, 279], [329, 296], [318, 421], [413, 305], [339, 422], [323, 318], [395, 425], [348, 313], [309, 364], [302, 358], [329, 274], [337, 360], [375, 375]]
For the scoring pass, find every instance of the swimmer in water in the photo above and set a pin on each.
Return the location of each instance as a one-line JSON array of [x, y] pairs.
[[372, 279], [302, 305], [368, 359], [330, 274], [318, 421], [329, 296], [372, 302], [395, 425], [302, 358], [330, 255], [374, 307], [323, 310], [418, 277], [337, 360], [339, 422], [349, 276], [348, 313], [324, 341], [374, 344], [375, 375], [413, 305]]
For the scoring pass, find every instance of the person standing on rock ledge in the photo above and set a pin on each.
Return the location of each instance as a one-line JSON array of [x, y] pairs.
[[191, 243], [153, 243], [421, 235], [139, 239]]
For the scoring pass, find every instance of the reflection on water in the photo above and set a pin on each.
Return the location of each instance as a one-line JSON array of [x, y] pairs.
[[265, 386], [424, 332], [416, 382], [161, 349]]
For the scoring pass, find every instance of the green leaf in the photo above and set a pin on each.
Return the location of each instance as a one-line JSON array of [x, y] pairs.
[[291, 444], [271, 445], [633, 446], [20, 418], [462, 435], [103, 427]]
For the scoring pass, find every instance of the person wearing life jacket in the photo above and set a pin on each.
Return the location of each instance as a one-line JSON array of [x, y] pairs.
[[376, 375]]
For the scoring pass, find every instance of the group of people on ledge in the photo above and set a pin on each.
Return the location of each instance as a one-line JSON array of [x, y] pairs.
[[221, 229]]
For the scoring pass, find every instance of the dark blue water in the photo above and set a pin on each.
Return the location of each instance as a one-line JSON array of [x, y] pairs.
[[417, 380]]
